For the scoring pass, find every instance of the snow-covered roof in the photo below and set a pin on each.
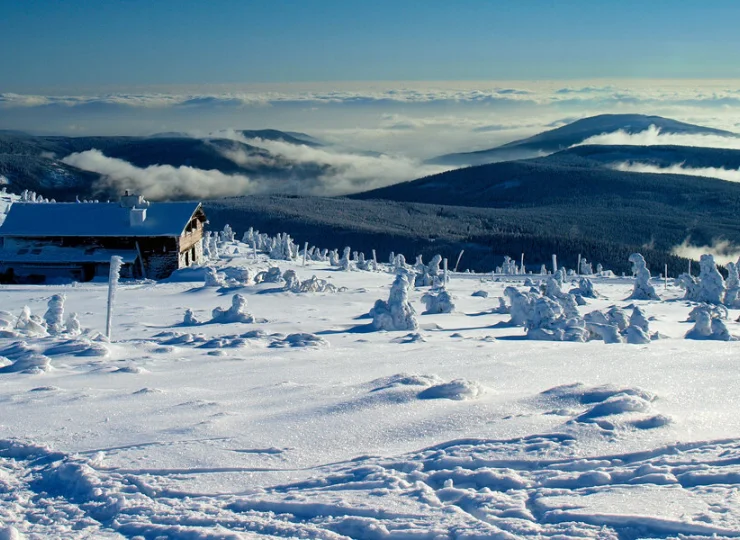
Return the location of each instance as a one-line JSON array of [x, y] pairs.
[[95, 219], [54, 254]]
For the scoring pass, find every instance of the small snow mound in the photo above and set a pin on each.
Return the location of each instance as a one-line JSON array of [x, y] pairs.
[[459, 389], [659, 420], [619, 404], [147, 390], [413, 337], [299, 340], [481, 294], [45, 389], [130, 369], [404, 379], [32, 363], [10, 533]]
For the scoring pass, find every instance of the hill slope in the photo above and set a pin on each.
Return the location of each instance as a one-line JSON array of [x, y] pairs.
[[575, 133]]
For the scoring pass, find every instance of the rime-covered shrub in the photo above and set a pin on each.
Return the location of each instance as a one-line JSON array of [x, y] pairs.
[[314, 284], [54, 316], [639, 320], [282, 248], [345, 263], [271, 275], [397, 313], [73, 326], [190, 319], [585, 289], [292, 283], [428, 275], [29, 324], [400, 264], [521, 305], [235, 314], [548, 321], [212, 278], [732, 285], [334, 257], [690, 285], [586, 268], [438, 301], [643, 290], [227, 235]]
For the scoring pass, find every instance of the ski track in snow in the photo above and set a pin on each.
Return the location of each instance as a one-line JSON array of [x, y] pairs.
[[303, 424]]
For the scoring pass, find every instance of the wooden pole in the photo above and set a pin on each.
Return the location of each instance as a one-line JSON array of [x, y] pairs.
[[305, 252], [458, 260], [444, 262], [666, 276], [554, 264]]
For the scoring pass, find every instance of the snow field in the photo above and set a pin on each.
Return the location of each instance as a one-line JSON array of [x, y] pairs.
[[310, 423]]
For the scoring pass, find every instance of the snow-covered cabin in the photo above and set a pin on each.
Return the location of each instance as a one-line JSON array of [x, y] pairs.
[[77, 240]]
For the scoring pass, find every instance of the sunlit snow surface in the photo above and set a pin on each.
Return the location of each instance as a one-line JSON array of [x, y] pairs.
[[306, 424]]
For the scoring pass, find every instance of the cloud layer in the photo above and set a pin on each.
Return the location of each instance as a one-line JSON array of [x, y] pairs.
[[730, 175], [297, 169], [654, 137], [723, 251], [160, 181]]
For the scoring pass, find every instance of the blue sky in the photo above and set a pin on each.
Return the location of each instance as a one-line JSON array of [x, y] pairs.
[[53, 44]]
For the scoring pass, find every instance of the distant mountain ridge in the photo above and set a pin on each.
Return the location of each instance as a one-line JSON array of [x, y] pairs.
[[571, 134]]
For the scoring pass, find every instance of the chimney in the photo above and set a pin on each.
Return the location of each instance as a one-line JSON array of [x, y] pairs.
[[137, 216], [131, 200]]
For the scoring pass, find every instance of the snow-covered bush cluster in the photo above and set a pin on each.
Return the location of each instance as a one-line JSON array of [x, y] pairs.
[[613, 326], [709, 287], [429, 275], [53, 323], [311, 285], [708, 325], [438, 301]]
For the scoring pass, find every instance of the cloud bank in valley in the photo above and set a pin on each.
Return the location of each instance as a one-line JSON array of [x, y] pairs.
[[653, 136], [730, 175], [297, 169], [724, 251], [159, 182]]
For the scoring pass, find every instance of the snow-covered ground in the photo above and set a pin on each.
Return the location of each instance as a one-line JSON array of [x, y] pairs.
[[305, 423]]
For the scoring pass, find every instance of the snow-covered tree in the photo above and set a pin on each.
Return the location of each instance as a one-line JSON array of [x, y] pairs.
[[711, 283], [732, 285], [397, 313], [345, 263], [54, 315], [643, 290]]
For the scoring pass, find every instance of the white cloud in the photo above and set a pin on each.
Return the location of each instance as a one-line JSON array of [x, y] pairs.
[[723, 250], [161, 181], [731, 175], [341, 172], [654, 137]]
